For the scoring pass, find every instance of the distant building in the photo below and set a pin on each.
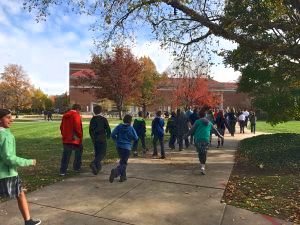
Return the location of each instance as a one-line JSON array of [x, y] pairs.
[[85, 94]]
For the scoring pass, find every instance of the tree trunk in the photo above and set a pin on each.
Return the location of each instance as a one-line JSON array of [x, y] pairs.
[[144, 107], [120, 114]]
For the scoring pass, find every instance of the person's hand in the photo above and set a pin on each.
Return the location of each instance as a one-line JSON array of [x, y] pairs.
[[34, 162]]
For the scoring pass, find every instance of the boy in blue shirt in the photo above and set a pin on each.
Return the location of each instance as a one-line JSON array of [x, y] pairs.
[[123, 135], [157, 132]]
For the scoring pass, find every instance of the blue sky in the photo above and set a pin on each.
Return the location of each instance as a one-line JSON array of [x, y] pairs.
[[45, 49]]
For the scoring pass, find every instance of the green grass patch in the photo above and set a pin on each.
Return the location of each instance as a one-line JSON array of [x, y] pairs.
[[288, 127], [266, 177], [42, 141]]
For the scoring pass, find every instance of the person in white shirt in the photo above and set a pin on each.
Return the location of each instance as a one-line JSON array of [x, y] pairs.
[[246, 113], [242, 119]]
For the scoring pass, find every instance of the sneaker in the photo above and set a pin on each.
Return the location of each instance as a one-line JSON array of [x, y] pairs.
[[202, 171], [162, 157], [123, 178], [154, 154], [33, 222], [93, 168], [62, 174], [135, 154], [113, 175]]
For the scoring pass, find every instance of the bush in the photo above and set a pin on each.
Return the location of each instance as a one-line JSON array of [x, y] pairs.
[[276, 151]]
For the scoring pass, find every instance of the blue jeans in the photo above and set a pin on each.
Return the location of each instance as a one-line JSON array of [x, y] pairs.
[[161, 142], [124, 156], [172, 141], [68, 149], [100, 152], [202, 148]]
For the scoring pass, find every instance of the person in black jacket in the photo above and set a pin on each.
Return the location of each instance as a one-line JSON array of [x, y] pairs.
[[99, 132], [139, 125]]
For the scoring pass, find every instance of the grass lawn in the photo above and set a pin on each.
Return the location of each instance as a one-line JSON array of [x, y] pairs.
[[288, 127], [42, 141], [266, 177]]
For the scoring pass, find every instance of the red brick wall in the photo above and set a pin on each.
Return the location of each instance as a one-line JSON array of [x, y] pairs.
[[162, 101]]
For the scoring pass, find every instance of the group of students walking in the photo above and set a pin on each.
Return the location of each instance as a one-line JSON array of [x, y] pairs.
[[199, 125]]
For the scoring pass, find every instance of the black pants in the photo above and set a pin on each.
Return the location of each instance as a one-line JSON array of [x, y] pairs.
[[253, 127], [161, 142], [68, 149], [202, 148], [242, 126], [180, 142], [136, 143], [100, 152], [172, 141], [232, 127]]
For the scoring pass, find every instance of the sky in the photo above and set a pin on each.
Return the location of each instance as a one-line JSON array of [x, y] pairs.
[[44, 49]]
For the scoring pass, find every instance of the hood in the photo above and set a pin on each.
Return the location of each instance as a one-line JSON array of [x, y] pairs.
[[205, 121], [70, 113]]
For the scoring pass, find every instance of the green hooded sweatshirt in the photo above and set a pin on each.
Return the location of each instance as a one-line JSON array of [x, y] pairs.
[[8, 159]]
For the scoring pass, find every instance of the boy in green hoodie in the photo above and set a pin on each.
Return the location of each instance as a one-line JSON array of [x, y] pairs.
[[201, 131], [10, 183]]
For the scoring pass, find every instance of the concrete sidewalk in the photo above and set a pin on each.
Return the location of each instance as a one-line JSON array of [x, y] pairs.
[[160, 192]]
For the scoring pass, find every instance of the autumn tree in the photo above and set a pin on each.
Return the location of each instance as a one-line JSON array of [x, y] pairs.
[[16, 83], [38, 100], [116, 76], [193, 92], [149, 80]]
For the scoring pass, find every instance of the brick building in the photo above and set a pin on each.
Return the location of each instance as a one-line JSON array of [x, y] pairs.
[[84, 94]]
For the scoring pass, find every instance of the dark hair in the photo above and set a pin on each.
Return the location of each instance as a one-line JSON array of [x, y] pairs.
[[97, 109], [4, 112], [158, 113], [140, 113], [127, 118], [76, 107], [202, 114], [178, 111], [173, 114]]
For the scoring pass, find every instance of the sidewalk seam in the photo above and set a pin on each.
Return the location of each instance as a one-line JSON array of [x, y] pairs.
[[223, 214], [81, 213], [173, 182], [119, 197]]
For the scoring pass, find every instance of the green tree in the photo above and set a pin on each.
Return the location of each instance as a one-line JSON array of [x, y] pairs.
[[273, 83], [272, 80], [149, 81], [61, 103]]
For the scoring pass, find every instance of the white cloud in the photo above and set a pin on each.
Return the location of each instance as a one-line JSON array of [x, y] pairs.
[[13, 6], [162, 58], [223, 74]]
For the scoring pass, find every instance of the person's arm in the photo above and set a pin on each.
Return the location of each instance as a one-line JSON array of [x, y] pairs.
[[78, 126], [107, 128], [168, 126], [134, 135], [216, 132], [92, 128], [114, 134], [11, 159], [144, 126], [191, 131], [152, 128]]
